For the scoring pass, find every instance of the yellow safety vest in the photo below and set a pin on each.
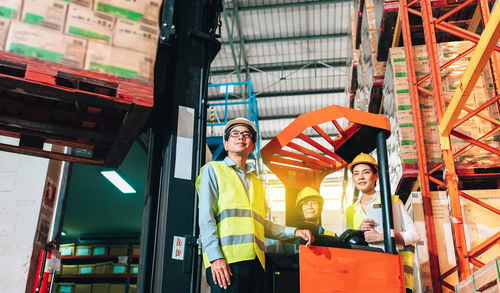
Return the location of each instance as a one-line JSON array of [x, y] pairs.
[[240, 217], [330, 233], [354, 217]]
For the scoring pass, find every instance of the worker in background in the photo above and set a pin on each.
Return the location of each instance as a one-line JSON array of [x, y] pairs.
[[232, 216], [366, 215], [309, 204]]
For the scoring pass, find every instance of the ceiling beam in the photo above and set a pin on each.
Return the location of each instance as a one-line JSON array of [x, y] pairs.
[[283, 94], [290, 39], [243, 51], [270, 67], [230, 38], [292, 4]]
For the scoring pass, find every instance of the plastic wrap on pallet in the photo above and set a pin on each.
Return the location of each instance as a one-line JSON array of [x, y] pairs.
[[50, 14], [4, 30], [85, 23], [120, 62], [38, 42], [11, 9], [475, 157], [393, 148], [128, 34], [132, 10], [374, 70]]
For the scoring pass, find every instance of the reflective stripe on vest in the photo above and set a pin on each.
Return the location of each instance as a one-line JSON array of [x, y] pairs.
[[240, 217], [354, 217]]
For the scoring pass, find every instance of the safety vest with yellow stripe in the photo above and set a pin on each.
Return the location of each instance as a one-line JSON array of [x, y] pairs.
[[240, 217], [354, 217]]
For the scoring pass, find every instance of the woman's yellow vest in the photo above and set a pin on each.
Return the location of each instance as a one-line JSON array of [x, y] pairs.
[[354, 217], [240, 217]]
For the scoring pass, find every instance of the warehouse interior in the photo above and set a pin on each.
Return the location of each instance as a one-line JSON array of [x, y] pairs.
[[144, 90]]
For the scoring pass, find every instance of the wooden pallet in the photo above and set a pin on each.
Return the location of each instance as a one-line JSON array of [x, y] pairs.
[[42, 103]]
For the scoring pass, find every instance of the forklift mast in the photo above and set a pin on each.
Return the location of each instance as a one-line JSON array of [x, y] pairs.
[[169, 259]]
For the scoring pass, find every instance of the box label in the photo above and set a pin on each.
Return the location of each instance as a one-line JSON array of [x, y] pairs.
[[178, 248], [35, 52], [7, 12], [88, 34], [118, 11]]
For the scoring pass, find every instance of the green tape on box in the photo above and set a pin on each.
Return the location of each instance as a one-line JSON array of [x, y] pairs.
[[407, 142], [435, 160], [406, 91], [33, 18], [410, 161], [431, 123], [422, 58], [35, 52], [88, 34], [404, 107], [406, 125], [118, 11], [122, 72], [7, 12], [400, 74], [399, 59]]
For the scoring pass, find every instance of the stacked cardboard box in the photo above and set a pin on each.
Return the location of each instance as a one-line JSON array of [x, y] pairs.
[[475, 157], [374, 69], [116, 37], [479, 225]]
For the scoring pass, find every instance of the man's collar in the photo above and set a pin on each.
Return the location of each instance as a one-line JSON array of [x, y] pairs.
[[231, 163]]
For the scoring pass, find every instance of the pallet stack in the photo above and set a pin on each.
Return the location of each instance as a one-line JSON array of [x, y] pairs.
[[96, 35]]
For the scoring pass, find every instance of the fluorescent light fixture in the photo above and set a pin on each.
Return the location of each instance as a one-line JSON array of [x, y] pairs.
[[63, 233], [118, 181]]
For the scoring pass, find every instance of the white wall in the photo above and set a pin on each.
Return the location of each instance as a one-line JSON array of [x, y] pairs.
[[22, 180]]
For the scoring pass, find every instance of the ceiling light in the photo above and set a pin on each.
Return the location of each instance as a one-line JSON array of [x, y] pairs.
[[63, 233], [118, 181]]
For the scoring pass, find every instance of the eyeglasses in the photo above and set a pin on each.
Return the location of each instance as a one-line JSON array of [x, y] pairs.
[[236, 133]]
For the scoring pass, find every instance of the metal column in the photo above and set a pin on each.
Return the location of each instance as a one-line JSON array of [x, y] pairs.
[[177, 143]]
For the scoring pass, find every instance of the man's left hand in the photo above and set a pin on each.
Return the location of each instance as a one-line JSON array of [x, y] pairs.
[[306, 235]]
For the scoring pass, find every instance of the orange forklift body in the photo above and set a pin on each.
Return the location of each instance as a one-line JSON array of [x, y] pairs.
[[328, 269]]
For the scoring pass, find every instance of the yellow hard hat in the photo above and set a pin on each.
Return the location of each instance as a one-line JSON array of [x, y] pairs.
[[363, 158], [308, 193]]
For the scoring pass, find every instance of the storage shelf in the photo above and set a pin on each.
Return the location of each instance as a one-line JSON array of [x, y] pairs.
[[92, 278]]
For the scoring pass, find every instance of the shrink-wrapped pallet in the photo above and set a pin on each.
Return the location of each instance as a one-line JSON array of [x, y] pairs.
[[92, 25], [38, 42]]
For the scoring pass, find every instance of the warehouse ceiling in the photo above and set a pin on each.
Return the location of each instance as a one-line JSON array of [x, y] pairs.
[[295, 53]]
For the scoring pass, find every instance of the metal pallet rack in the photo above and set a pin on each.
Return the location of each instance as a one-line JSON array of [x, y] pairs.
[[448, 118]]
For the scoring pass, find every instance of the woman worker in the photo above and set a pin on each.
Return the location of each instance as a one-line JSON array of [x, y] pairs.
[[366, 215], [309, 204]]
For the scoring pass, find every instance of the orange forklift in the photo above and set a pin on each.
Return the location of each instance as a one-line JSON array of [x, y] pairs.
[[299, 161]]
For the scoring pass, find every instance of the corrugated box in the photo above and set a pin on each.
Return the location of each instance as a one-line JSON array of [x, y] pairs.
[[136, 249], [86, 3], [119, 268], [136, 36], [11, 9], [37, 42], [485, 279], [92, 25], [83, 250], [67, 249], [131, 289], [83, 288], [69, 269], [4, 30], [103, 268], [120, 62], [132, 10], [100, 288], [47, 13], [134, 268], [65, 288], [100, 250], [117, 288], [86, 269], [479, 224]]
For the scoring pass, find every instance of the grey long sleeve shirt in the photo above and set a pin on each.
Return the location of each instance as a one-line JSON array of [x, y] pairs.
[[208, 197]]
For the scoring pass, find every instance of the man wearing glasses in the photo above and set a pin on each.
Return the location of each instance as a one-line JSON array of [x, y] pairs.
[[232, 216]]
